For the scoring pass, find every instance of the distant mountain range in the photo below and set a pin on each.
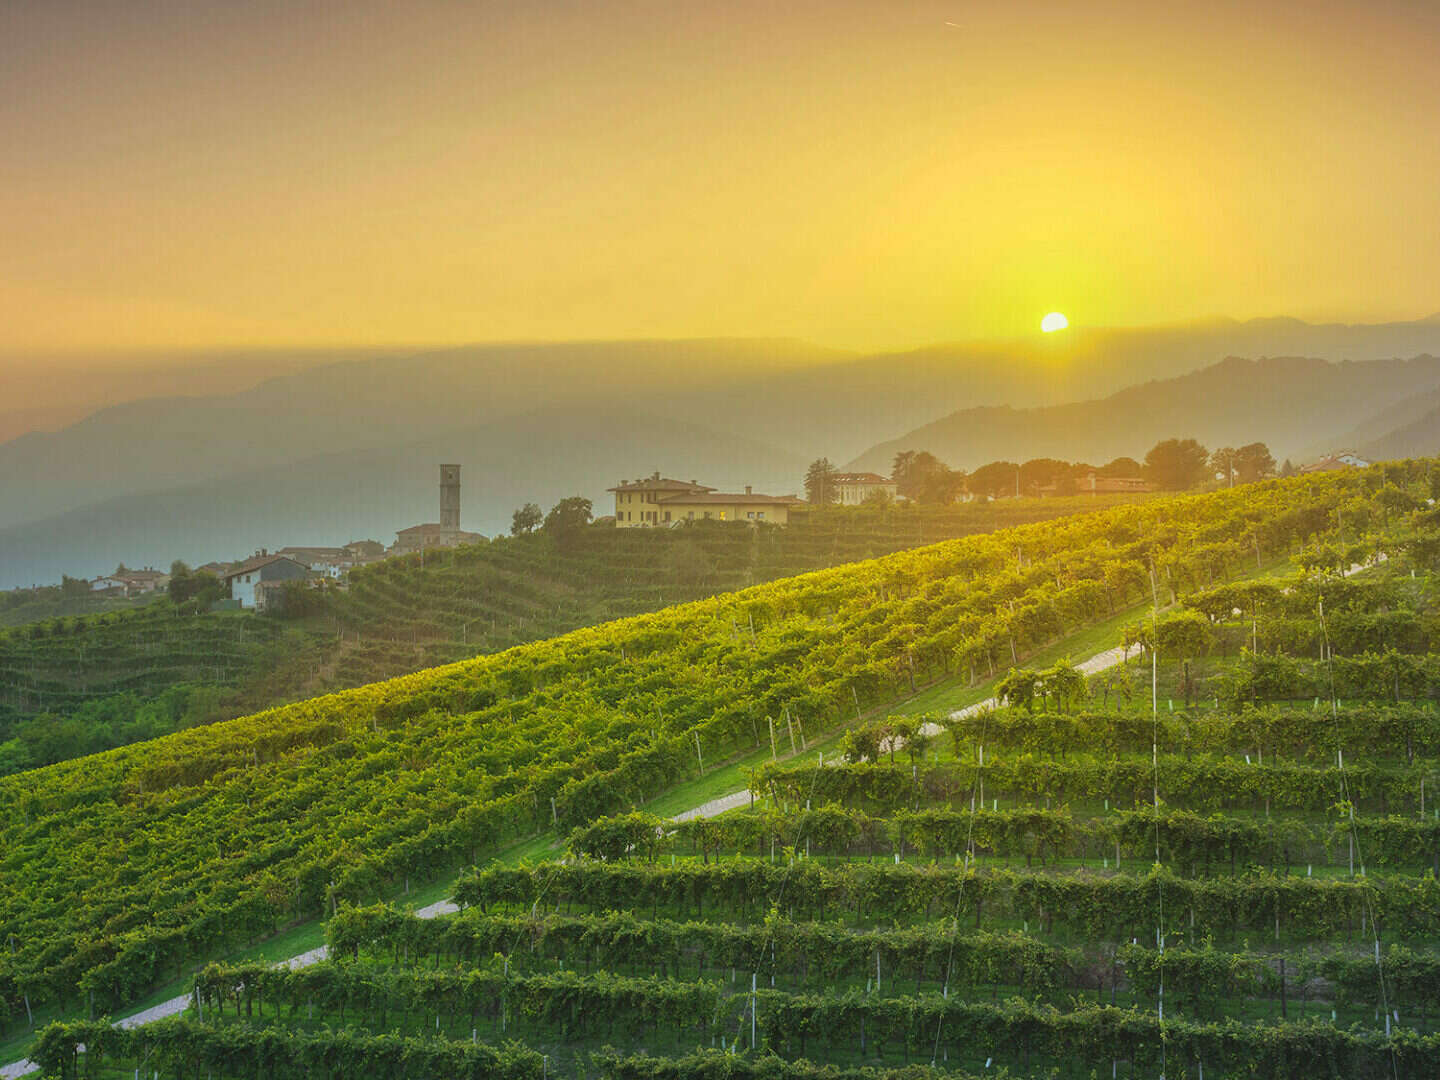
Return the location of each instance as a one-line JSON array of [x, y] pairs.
[[347, 448], [1299, 407]]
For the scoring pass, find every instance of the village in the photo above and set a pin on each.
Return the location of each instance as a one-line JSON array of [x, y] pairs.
[[258, 582]]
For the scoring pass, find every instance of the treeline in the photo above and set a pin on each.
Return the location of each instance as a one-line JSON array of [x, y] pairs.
[[1170, 465]]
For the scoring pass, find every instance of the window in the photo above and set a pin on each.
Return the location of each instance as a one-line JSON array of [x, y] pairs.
[[722, 515], [750, 514], [707, 515], [667, 515], [760, 515], [691, 515]]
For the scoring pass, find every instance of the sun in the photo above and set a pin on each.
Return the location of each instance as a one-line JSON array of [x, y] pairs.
[[1054, 321]]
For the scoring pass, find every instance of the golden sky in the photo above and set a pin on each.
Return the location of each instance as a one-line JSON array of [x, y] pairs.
[[193, 173]]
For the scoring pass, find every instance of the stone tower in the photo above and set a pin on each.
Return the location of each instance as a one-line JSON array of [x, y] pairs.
[[450, 498]]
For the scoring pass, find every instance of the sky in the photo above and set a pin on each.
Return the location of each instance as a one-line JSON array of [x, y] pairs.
[[194, 174]]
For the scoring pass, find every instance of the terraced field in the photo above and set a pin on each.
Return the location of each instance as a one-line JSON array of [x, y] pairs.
[[1099, 879]]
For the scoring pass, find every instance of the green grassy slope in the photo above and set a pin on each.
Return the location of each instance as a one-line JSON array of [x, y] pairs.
[[85, 683], [130, 865]]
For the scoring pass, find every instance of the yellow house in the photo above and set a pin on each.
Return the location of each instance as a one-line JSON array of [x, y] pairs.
[[657, 500], [723, 506], [637, 502]]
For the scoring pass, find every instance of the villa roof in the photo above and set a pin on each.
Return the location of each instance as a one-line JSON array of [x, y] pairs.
[[712, 497]]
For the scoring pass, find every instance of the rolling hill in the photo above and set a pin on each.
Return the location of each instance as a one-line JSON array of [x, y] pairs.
[[235, 468], [75, 685], [1288, 403], [133, 865]]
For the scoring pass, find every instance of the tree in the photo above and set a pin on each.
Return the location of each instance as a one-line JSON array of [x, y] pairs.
[[995, 479], [526, 520], [1222, 462], [1177, 464], [910, 469], [568, 516], [1288, 469], [1121, 466], [942, 486], [922, 477], [1253, 462], [1043, 472], [186, 584], [1018, 688], [820, 489], [878, 499], [70, 586]]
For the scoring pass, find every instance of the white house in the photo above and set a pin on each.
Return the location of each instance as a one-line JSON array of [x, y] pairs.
[[332, 562], [244, 577], [854, 488]]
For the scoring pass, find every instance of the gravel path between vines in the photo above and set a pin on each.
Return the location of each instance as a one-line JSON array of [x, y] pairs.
[[713, 808], [736, 799]]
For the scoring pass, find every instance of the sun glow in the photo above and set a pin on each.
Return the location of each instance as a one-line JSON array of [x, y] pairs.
[[1054, 321]]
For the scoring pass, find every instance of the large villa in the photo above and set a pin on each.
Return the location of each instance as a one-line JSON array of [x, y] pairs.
[[657, 500]]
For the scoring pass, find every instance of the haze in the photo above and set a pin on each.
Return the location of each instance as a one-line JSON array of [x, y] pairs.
[[857, 174]]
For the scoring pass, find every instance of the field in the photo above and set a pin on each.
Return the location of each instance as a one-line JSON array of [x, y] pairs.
[[755, 933], [96, 679]]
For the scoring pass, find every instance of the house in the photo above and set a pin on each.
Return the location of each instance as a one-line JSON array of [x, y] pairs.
[[130, 583], [855, 488], [219, 569], [658, 500], [727, 506], [363, 551], [263, 567], [1100, 485], [1345, 459], [108, 585], [637, 502], [1113, 485], [419, 538], [330, 562]]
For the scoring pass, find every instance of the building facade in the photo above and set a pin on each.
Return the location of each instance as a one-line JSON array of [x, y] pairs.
[[657, 501], [743, 506], [445, 533], [855, 488], [262, 568], [637, 502]]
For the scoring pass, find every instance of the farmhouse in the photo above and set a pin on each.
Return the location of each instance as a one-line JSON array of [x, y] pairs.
[[658, 500], [129, 583], [329, 561], [637, 502], [1099, 485], [853, 488], [244, 579], [1345, 459]]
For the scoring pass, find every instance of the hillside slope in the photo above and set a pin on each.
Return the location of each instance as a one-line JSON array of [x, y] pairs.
[[1288, 403], [130, 864], [72, 686], [1420, 436]]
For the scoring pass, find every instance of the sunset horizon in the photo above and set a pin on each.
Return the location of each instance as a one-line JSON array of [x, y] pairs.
[[665, 540]]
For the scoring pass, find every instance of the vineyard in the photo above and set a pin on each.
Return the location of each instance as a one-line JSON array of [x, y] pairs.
[[1069, 886], [82, 684], [98, 681]]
